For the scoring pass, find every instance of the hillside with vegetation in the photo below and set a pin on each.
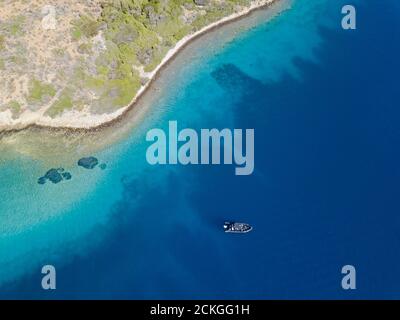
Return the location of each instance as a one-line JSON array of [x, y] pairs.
[[90, 56]]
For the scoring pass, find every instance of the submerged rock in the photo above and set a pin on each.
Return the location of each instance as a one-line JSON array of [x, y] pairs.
[[55, 176], [42, 180], [88, 163], [66, 175], [103, 166]]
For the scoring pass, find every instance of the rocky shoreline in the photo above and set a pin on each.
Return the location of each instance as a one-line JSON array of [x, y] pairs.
[[84, 120]]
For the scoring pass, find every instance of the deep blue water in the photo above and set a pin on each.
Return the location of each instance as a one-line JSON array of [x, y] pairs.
[[324, 193]]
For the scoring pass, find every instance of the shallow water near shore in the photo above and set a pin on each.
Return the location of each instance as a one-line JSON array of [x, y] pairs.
[[323, 193]]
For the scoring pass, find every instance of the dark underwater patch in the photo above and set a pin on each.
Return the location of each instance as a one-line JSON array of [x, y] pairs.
[[88, 162], [231, 78], [55, 176]]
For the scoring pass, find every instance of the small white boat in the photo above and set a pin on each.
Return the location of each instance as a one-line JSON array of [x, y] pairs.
[[237, 227]]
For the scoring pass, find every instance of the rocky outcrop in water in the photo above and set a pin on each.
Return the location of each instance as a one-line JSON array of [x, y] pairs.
[[58, 175], [66, 175], [88, 163], [55, 176]]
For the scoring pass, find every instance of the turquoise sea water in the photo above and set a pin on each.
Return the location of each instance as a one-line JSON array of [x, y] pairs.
[[323, 193]]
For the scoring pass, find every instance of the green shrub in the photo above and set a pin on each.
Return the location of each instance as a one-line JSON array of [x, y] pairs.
[[63, 103], [39, 90], [2, 42]]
